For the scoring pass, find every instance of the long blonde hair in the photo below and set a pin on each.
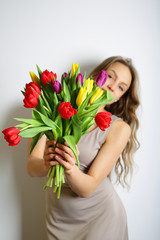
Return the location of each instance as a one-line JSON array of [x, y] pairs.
[[125, 108]]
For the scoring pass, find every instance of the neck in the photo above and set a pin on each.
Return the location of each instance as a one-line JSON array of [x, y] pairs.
[[101, 109]]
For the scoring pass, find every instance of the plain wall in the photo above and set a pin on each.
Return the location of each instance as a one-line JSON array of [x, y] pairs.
[[53, 34]]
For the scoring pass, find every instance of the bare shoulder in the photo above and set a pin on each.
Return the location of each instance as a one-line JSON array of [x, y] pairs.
[[119, 129]]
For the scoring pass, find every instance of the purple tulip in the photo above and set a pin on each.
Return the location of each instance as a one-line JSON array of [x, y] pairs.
[[65, 75], [102, 78], [57, 87], [80, 78]]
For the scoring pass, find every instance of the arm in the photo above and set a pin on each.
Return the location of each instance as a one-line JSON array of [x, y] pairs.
[[35, 165], [85, 184]]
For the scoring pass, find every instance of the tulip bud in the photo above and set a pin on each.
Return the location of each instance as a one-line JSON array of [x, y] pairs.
[[47, 76], [89, 85], [95, 96], [80, 78], [31, 95], [102, 78], [57, 87], [103, 120], [74, 69], [66, 110], [64, 75], [81, 96], [34, 86], [11, 136], [34, 78]]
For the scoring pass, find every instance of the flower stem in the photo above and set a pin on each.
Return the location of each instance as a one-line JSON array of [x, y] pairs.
[[57, 175], [47, 104], [26, 127]]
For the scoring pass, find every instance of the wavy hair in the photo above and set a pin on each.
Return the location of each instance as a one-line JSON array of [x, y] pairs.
[[124, 108]]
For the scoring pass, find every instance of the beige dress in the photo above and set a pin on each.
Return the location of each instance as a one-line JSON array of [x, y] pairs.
[[98, 217]]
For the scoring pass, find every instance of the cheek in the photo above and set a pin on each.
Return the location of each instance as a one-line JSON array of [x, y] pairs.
[[104, 87], [119, 94]]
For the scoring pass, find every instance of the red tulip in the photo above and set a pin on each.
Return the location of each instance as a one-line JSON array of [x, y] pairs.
[[11, 136], [47, 76], [66, 110], [103, 120], [35, 86], [31, 95]]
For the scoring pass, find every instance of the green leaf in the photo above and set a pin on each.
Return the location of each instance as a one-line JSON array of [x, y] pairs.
[[46, 103], [35, 140], [58, 121], [77, 127], [67, 96], [40, 106], [70, 140], [36, 116], [73, 98], [109, 96], [89, 110], [55, 99], [55, 112], [31, 132], [86, 121], [23, 92], [86, 101], [87, 125], [79, 84], [50, 95], [39, 71], [49, 134], [47, 121], [104, 99], [22, 125], [29, 121]]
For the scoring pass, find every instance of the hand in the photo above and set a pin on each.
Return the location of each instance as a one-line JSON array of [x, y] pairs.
[[59, 153], [49, 154], [65, 156]]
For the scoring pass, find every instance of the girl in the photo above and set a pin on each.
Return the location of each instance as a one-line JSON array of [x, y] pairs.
[[89, 208]]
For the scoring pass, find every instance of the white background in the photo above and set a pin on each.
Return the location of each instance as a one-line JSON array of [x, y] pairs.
[[53, 34]]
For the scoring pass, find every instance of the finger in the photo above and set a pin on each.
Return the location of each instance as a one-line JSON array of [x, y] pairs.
[[49, 160], [51, 143], [66, 144], [69, 147], [66, 165], [65, 148], [50, 150], [53, 163], [65, 156]]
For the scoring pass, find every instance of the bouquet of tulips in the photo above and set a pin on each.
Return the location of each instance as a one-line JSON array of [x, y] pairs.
[[63, 111]]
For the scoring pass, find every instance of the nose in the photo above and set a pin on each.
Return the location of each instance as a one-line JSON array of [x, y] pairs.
[[111, 87]]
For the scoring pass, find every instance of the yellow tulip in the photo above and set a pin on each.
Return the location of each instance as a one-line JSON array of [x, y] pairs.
[[95, 96], [34, 78], [89, 85], [74, 69], [81, 96]]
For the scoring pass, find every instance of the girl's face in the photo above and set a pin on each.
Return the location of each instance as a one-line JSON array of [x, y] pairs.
[[118, 81]]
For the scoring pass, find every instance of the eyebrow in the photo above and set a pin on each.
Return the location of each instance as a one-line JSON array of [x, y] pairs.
[[124, 84], [117, 76]]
